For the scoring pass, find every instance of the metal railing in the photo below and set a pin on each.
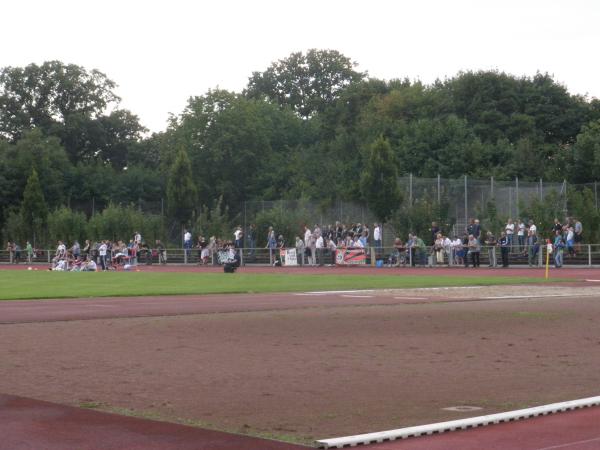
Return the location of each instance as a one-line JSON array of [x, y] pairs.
[[585, 255]]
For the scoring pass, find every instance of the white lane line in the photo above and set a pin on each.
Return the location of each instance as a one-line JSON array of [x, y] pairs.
[[358, 296], [594, 281], [356, 291], [570, 444], [311, 294], [442, 427], [410, 298], [100, 306], [500, 297]]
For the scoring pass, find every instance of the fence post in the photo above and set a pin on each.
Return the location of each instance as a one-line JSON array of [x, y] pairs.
[[242, 256], [438, 189], [541, 190], [410, 187], [466, 203], [492, 187], [596, 193], [517, 196], [589, 255]]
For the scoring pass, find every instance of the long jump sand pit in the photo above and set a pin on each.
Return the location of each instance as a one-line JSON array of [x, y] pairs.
[[320, 371]]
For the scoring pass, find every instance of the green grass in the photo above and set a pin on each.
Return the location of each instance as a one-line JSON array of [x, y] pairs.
[[44, 284]]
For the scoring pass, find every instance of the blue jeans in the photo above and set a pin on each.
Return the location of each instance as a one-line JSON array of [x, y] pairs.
[[558, 258]]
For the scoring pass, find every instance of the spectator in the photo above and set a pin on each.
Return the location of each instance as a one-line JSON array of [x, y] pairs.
[[238, 235], [187, 245], [521, 235], [474, 251], [377, 237], [578, 237], [271, 244], [490, 242], [252, 239], [509, 229], [504, 248], [532, 246], [559, 246], [300, 250], [29, 250], [458, 250]]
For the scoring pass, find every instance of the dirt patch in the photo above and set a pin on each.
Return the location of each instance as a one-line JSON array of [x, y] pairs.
[[318, 372]]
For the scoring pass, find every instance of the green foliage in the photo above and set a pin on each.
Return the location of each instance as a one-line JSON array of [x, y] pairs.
[[543, 212], [181, 191], [120, 223], [34, 210], [306, 83], [287, 223], [417, 218], [214, 221], [582, 206], [379, 181], [66, 225]]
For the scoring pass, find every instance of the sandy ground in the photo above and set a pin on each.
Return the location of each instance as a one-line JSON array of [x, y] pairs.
[[321, 371]]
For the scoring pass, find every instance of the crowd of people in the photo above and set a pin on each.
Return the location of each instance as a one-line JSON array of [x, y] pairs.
[[318, 245], [466, 249]]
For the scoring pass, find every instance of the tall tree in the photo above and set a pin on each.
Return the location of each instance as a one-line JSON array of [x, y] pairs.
[[305, 83], [379, 182], [34, 210], [181, 190]]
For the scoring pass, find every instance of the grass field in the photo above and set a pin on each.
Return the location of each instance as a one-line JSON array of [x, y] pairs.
[[43, 284]]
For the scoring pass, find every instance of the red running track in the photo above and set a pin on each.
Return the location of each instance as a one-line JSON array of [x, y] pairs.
[[33, 424], [574, 430]]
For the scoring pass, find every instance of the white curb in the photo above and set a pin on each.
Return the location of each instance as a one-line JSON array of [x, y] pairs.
[[441, 427]]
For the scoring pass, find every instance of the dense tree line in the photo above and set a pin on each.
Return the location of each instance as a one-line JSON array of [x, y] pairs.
[[306, 128]]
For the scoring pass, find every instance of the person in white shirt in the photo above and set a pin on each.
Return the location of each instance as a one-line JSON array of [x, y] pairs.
[[532, 228], [102, 253], [521, 235], [137, 238], [320, 245], [509, 229], [377, 235]]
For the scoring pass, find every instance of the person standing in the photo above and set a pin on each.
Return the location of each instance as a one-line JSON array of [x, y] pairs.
[[377, 236], [102, 249], [252, 239], [578, 237], [521, 233], [29, 250], [271, 244], [474, 250], [532, 247], [509, 229], [559, 246], [238, 236], [504, 248], [491, 242]]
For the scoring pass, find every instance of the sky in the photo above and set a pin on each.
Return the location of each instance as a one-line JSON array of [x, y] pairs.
[[161, 52]]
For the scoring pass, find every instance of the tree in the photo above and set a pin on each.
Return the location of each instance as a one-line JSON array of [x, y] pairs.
[[181, 190], [305, 83], [379, 182], [34, 211], [41, 96]]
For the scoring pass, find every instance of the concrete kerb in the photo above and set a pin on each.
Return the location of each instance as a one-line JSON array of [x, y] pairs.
[[442, 427]]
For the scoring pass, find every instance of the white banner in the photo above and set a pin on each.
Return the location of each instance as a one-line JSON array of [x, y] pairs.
[[289, 257]]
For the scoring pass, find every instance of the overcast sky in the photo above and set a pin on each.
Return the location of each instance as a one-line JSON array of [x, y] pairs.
[[161, 52]]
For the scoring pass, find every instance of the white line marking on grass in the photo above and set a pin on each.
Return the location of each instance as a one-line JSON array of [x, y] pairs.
[[358, 296], [441, 427], [570, 444]]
